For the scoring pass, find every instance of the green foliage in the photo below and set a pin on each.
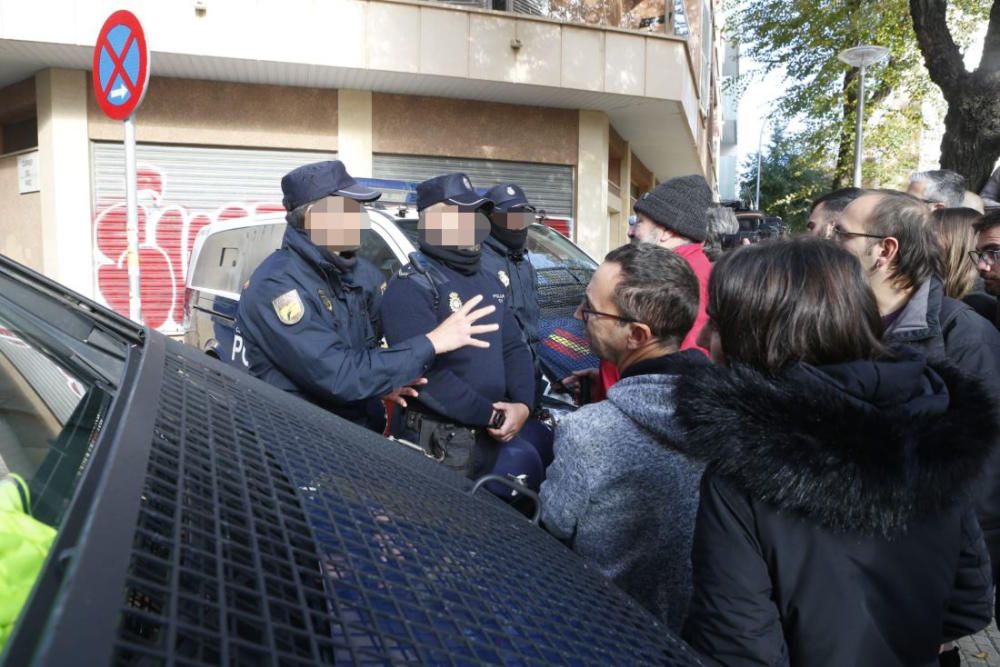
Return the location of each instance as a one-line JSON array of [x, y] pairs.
[[789, 180], [803, 37]]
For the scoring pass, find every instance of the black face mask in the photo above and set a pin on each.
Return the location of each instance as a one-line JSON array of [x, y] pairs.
[[514, 240], [462, 260]]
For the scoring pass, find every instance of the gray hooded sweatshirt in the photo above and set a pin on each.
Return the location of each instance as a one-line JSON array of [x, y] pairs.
[[622, 494]]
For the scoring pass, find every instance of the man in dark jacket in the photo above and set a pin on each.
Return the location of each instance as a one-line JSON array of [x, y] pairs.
[[889, 234], [477, 400], [618, 492], [306, 315]]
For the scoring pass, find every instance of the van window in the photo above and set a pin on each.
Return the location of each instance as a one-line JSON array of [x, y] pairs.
[[229, 257]]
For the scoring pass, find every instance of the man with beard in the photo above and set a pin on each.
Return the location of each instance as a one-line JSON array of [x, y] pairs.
[[987, 252], [888, 232], [477, 400], [620, 491]]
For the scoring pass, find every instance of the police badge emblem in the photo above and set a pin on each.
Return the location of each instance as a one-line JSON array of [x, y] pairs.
[[467, 183], [502, 275], [288, 307], [325, 298], [454, 302], [511, 191]]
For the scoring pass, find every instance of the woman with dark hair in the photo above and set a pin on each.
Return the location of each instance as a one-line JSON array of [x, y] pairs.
[[836, 524]]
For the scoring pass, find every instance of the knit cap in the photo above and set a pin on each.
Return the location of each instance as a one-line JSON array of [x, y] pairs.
[[679, 204]]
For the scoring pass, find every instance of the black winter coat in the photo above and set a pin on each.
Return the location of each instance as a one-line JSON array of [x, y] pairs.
[[945, 329], [835, 525]]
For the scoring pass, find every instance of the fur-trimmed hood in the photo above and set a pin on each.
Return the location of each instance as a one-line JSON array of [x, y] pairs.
[[866, 446]]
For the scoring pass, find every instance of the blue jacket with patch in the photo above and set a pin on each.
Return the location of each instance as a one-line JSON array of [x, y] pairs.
[[461, 385], [517, 275], [329, 354]]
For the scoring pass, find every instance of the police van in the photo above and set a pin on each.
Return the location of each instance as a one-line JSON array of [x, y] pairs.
[[225, 255]]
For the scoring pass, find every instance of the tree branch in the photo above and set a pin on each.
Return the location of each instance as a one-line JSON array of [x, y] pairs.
[[990, 62], [941, 54]]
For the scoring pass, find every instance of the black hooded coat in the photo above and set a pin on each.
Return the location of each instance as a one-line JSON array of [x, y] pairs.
[[836, 523]]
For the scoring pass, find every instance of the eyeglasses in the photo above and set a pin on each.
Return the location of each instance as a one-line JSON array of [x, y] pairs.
[[586, 313], [988, 257], [845, 235]]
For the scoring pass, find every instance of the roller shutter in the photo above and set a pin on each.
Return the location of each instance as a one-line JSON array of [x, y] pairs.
[[181, 189], [548, 186]]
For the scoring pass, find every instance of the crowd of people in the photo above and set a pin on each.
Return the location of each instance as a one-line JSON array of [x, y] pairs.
[[788, 453]]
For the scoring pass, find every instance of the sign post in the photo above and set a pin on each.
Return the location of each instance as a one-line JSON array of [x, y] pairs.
[[120, 77]]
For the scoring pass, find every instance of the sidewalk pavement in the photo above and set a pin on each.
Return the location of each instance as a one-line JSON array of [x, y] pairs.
[[982, 649]]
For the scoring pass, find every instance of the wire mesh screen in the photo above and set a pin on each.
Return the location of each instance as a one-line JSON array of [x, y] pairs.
[[271, 532]]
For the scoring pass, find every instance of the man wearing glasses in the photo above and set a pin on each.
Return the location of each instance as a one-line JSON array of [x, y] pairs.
[[987, 253], [889, 234], [619, 492]]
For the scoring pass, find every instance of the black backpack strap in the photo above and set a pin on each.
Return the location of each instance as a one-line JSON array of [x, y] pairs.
[[421, 270]]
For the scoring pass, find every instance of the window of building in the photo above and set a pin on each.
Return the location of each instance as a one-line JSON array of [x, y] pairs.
[[19, 135]]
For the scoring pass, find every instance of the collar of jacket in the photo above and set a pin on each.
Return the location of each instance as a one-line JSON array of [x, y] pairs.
[[675, 363], [321, 259], [920, 319], [867, 450]]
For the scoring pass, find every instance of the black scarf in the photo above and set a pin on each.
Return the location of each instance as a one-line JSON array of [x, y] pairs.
[[513, 240], [464, 261]]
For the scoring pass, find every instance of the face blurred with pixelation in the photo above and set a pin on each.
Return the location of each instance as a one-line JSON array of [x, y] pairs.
[[452, 226], [515, 221], [335, 223]]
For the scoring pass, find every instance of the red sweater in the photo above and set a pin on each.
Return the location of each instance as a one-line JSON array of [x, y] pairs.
[[694, 254]]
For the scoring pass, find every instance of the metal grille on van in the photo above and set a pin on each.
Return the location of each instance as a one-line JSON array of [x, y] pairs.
[[271, 532]]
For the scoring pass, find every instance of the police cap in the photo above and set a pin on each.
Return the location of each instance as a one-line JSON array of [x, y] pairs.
[[321, 179], [451, 189], [509, 197]]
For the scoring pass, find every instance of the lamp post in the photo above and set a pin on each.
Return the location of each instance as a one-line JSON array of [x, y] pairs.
[[861, 57], [760, 140]]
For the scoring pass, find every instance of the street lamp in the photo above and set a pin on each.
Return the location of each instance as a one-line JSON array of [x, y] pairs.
[[861, 57]]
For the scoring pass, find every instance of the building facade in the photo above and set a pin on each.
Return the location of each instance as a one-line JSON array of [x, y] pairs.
[[587, 104]]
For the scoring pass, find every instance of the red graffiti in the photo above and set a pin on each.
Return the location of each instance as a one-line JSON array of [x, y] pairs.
[[166, 237]]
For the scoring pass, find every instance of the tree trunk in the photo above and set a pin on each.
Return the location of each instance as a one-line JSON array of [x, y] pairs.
[[843, 173], [971, 143]]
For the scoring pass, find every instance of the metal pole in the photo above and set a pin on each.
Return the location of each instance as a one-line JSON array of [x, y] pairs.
[[760, 139], [858, 138], [132, 223]]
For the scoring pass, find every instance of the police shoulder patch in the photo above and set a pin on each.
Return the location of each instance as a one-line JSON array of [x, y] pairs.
[[454, 301], [288, 307]]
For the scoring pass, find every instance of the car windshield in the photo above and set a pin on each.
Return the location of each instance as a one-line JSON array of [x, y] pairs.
[[55, 390]]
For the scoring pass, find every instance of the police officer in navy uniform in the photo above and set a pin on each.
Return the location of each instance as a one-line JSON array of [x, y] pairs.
[[306, 315], [506, 258], [477, 398]]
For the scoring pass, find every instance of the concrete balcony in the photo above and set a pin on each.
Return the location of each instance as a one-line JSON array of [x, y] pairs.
[[645, 83]]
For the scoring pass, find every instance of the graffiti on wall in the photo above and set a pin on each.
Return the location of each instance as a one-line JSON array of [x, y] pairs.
[[167, 230]]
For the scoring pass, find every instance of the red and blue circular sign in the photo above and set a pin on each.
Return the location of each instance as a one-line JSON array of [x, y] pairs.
[[121, 65]]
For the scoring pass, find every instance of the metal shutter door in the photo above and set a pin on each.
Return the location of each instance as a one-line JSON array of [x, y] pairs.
[[548, 186], [181, 189]]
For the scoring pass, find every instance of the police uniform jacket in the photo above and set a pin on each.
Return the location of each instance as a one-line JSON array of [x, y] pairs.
[[514, 271], [308, 328], [463, 384]]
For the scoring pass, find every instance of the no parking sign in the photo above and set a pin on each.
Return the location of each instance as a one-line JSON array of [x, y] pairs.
[[121, 65], [120, 76]]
